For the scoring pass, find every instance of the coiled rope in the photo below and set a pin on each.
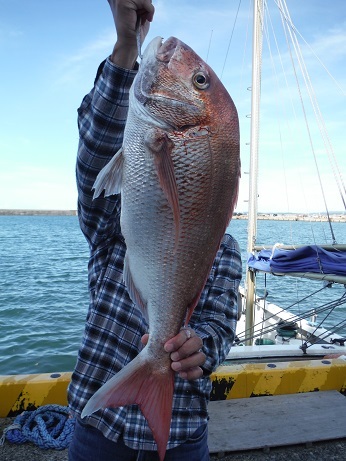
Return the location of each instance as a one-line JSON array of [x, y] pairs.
[[49, 426]]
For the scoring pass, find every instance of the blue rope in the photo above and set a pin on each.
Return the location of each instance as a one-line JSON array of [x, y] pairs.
[[48, 427]]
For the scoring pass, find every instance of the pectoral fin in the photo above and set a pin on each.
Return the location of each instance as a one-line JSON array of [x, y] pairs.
[[110, 177], [132, 289], [160, 148]]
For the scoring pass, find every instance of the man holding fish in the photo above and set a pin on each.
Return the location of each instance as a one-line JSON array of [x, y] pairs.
[[157, 175]]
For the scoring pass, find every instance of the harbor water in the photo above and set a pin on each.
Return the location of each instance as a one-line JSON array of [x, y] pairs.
[[44, 293]]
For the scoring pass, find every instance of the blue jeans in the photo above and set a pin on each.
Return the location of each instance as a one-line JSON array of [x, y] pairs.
[[89, 444]]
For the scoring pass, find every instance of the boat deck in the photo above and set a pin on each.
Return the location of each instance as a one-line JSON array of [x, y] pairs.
[[297, 426]]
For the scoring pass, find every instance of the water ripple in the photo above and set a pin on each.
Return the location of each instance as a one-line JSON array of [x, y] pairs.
[[44, 295]]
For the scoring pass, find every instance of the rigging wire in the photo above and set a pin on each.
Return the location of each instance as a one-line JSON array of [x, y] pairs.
[[308, 87], [297, 318], [343, 297], [293, 46], [319, 118], [315, 106], [339, 326], [283, 107], [294, 318], [313, 100], [241, 79], [333, 161], [230, 40], [267, 22], [292, 135], [211, 36]]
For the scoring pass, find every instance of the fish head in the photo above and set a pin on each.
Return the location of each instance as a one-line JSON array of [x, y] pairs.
[[177, 88]]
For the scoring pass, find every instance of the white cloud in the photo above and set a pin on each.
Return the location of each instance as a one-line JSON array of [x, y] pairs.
[[74, 67], [10, 34], [331, 45]]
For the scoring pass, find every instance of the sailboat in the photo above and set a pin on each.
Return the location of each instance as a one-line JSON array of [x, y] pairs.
[[268, 334]]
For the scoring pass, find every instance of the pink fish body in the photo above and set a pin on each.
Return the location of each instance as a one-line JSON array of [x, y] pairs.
[[178, 173]]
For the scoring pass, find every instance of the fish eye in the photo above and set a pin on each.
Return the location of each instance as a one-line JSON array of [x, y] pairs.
[[200, 80]]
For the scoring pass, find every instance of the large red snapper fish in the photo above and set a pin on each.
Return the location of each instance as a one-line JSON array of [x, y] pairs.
[[178, 173]]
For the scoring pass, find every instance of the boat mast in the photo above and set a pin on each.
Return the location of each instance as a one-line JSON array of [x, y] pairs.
[[254, 138]]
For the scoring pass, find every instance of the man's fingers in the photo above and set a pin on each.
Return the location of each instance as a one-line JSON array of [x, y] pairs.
[[189, 348], [193, 373], [195, 360], [185, 352], [185, 335], [144, 339]]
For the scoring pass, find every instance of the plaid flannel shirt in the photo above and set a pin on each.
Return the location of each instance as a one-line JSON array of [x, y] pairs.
[[114, 325]]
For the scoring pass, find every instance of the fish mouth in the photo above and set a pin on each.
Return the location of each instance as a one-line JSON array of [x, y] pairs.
[[160, 49], [167, 49]]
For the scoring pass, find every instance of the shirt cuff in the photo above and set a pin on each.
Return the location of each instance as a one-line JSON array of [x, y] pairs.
[[113, 68]]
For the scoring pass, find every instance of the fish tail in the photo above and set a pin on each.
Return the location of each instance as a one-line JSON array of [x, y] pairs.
[[139, 383]]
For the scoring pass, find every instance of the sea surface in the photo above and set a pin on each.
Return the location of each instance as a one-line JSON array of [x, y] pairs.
[[44, 293]]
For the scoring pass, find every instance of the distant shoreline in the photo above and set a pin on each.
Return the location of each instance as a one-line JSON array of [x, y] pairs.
[[5, 212], [313, 217]]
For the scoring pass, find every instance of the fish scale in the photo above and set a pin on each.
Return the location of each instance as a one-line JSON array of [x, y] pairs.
[[178, 173]]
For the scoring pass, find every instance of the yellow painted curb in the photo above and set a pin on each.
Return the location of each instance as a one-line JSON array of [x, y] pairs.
[[28, 392], [279, 378]]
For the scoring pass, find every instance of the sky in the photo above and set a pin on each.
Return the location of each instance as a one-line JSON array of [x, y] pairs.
[[50, 52]]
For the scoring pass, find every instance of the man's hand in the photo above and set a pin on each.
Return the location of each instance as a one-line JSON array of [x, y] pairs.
[[186, 353], [125, 13]]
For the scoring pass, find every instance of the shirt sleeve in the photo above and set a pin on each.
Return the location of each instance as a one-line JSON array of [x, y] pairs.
[[215, 317], [101, 122]]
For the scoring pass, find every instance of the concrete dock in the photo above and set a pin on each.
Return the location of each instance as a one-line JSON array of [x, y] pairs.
[[333, 450], [300, 427]]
